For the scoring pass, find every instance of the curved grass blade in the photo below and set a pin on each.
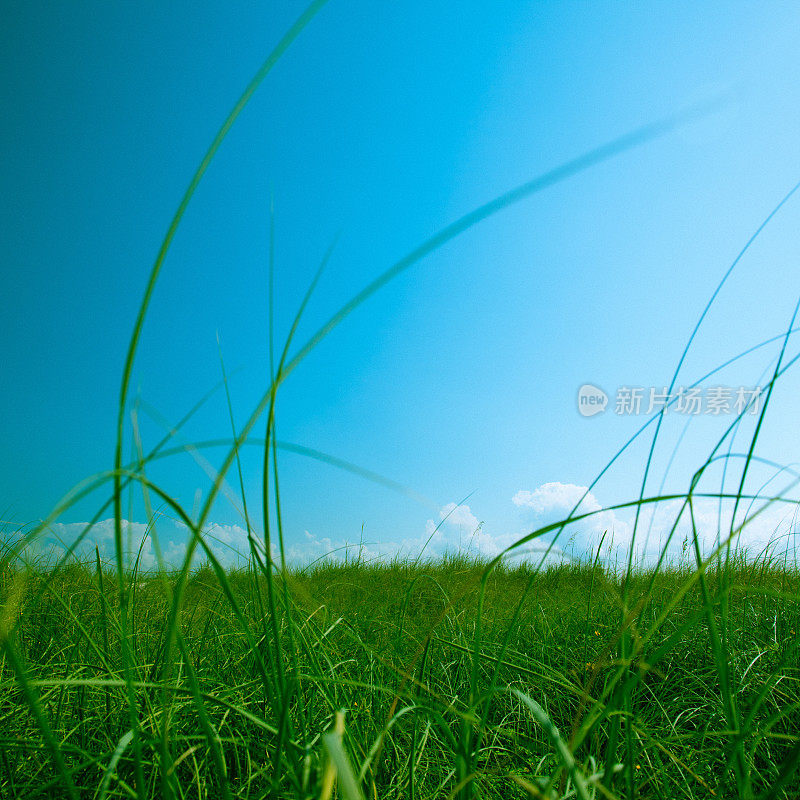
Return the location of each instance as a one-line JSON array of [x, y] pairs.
[[560, 746]]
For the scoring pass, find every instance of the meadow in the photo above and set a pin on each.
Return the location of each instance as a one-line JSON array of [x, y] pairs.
[[570, 677], [404, 680]]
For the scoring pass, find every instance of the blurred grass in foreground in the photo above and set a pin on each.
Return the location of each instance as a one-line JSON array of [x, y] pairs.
[[392, 646]]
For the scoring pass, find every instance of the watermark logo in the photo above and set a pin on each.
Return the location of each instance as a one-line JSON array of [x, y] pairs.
[[591, 400], [691, 401]]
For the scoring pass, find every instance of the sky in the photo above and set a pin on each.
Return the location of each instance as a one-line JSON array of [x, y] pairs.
[[379, 126]]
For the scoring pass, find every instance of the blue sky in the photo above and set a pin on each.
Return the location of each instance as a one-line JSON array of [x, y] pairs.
[[382, 124]]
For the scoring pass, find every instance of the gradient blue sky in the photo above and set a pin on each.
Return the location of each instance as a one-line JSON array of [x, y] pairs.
[[381, 124]]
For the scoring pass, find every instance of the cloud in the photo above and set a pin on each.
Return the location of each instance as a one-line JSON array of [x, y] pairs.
[[460, 531], [457, 528], [457, 531], [550, 503], [664, 527], [140, 543], [460, 516], [757, 530], [556, 496]]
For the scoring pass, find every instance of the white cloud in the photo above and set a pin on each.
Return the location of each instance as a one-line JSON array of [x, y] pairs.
[[458, 529], [556, 496], [228, 543], [460, 516], [765, 527], [550, 503]]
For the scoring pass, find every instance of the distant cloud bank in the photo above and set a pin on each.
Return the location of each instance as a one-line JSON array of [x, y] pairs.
[[768, 528]]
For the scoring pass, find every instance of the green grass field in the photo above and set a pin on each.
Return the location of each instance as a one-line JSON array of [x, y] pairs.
[[403, 680], [397, 679]]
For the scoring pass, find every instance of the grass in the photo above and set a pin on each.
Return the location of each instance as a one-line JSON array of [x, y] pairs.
[[409, 678], [389, 650]]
